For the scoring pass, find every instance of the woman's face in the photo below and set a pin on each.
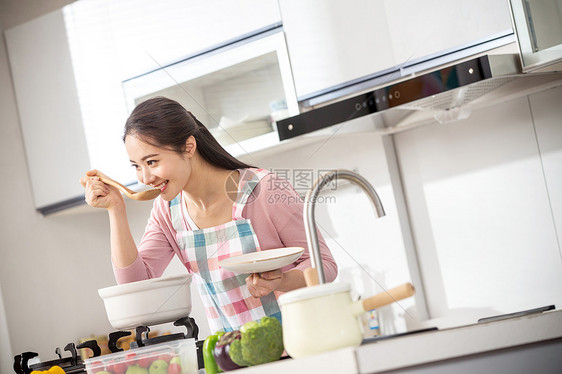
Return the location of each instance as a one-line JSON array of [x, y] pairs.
[[157, 167]]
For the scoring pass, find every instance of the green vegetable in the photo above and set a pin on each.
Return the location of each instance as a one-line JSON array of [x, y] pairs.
[[211, 366], [260, 342]]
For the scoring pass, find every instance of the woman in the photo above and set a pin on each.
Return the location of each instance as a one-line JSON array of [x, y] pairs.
[[212, 206]]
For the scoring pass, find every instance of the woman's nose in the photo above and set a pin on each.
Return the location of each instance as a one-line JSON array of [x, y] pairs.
[[147, 176]]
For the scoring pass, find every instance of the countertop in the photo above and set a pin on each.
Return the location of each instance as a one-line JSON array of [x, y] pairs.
[[427, 347]]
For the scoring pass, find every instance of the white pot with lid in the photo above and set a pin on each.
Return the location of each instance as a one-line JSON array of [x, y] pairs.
[[147, 302], [324, 317]]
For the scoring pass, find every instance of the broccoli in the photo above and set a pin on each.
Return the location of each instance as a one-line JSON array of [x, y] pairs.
[[256, 343]]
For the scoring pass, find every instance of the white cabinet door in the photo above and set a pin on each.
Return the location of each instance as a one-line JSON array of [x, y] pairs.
[[423, 28], [48, 106], [149, 34], [332, 43]]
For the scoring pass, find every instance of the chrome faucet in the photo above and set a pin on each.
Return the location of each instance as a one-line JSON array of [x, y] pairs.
[[308, 212]]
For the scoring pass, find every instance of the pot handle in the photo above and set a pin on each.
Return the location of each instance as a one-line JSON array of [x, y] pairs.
[[388, 297]]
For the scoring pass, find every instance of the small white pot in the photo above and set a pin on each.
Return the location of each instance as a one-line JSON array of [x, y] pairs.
[[148, 302], [323, 317]]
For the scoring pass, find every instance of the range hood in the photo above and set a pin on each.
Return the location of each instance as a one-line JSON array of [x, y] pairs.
[[443, 95]]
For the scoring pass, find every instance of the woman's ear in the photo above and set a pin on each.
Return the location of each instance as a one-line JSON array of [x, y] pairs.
[[190, 146]]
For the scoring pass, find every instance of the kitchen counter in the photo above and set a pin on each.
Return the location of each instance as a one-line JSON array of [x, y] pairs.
[[517, 345]]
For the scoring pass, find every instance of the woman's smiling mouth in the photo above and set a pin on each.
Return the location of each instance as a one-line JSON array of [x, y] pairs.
[[161, 186]]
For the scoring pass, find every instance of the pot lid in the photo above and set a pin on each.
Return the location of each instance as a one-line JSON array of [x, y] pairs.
[[313, 292], [144, 285]]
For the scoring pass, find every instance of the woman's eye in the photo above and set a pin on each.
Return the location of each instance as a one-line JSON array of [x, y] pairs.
[[135, 166], [151, 162]]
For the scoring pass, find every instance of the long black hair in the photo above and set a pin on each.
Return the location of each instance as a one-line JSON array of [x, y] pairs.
[[165, 123]]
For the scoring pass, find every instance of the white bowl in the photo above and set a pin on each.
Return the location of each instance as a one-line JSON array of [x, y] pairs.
[[148, 302]]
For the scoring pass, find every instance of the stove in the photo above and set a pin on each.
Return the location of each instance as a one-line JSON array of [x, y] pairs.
[[143, 351], [70, 365]]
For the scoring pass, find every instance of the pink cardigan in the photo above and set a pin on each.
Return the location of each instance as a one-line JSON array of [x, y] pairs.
[[276, 215]]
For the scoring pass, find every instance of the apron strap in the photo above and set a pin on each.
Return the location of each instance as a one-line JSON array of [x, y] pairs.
[[249, 179], [175, 213]]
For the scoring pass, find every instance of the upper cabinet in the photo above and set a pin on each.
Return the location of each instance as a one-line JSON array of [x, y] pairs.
[[49, 109], [539, 33], [238, 91], [148, 34], [337, 43]]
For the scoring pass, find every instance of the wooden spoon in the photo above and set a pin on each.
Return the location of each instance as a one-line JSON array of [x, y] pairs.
[[140, 195]]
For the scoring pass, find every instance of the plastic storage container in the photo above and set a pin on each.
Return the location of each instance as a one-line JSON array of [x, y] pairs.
[[176, 357]]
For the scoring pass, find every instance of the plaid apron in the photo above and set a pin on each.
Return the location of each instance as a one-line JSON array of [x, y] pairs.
[[228, 303]]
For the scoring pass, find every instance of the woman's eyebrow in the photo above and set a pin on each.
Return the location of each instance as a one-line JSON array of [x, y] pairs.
[[146, 157]]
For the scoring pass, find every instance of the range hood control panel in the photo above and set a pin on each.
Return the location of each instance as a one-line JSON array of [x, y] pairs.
[[391, 96]]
